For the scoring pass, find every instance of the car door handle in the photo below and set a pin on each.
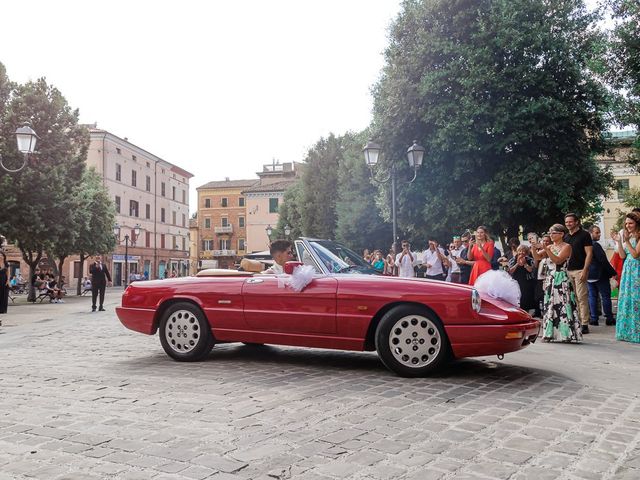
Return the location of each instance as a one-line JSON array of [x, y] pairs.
[[255, 280]]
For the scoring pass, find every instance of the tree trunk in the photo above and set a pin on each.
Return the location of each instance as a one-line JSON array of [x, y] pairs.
[[61, 260], [28, 258], [80, 274]]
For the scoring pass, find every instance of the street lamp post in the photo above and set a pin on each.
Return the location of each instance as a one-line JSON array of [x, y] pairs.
[[415, 155], [26, 139], [136, 233]]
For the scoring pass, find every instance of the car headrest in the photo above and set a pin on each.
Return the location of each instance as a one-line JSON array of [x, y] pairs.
[[249, 265]]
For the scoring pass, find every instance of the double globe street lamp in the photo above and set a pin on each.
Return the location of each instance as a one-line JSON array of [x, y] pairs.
[[415, 155], [26, 139], [269, 230], [136, 234]]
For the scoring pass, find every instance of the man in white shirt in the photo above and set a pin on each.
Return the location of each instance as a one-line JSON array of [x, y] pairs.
[[454, 253], [281, 253], [406, 260], [434, 260]]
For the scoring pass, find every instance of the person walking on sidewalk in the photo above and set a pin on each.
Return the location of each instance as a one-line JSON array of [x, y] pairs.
[[599, 282], [99, 278], [579, 262]]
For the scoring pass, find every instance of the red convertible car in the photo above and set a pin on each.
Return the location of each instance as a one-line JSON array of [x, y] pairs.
[[414, 324]]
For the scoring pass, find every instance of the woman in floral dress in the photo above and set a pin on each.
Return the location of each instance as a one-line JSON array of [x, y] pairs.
[[628, 318], [560, 318]]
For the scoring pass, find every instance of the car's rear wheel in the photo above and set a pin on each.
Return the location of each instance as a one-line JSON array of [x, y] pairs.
[[185, 333], [411, 341]]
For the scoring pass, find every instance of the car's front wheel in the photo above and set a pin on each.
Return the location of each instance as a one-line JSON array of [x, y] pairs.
[[185, 333], [411, 341]]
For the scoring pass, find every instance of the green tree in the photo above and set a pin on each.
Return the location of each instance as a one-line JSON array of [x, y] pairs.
[[624, 71], [35, 202], [500, 94], [95, 220], [290, 212], [320, 187], [359, 221]]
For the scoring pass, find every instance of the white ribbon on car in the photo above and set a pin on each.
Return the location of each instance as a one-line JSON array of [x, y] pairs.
[[301, 277]]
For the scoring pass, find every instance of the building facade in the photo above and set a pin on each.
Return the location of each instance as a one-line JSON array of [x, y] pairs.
[[626, 178], [149, 192], [264, 199], [222, 223]]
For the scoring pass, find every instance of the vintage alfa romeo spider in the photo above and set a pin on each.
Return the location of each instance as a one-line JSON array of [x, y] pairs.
[[414, 324]]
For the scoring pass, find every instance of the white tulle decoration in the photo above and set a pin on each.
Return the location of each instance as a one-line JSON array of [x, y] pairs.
[[499, 284], [301, 277]]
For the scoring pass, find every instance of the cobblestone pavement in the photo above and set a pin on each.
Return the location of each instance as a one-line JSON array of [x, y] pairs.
[[83, 398]]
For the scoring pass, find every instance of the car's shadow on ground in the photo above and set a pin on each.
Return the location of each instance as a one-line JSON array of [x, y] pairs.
[[318, 362]]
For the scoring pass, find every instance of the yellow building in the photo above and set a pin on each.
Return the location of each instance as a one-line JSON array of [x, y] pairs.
[[626, 178], [222, 223]]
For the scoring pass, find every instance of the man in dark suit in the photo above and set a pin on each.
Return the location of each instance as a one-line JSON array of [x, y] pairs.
[[600, 273], [99, 278]]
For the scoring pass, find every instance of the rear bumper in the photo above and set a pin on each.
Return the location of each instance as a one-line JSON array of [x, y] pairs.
[[137, 319], [480, 340]]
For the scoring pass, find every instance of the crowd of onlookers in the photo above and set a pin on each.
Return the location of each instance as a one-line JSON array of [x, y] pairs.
[[563, 276]]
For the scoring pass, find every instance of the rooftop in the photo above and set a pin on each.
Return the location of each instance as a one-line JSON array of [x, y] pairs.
[[280, 186], [94, 130], [229, 184]]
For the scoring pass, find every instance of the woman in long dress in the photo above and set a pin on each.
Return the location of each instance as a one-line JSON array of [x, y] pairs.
[[522, 269], [560, 318], [628, 318], [481, 253]]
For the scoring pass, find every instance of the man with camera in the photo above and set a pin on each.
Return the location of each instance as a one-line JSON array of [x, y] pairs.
[[406, 260], [455, 249], [100, 277], [434, 260]]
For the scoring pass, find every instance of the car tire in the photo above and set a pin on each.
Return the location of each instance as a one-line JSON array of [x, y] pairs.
[[185, 333], [411, 341]]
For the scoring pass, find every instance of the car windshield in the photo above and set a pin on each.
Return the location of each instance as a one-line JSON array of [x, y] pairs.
[[340, 259]]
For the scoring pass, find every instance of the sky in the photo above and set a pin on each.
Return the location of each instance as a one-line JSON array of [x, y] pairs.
[[218, 88]]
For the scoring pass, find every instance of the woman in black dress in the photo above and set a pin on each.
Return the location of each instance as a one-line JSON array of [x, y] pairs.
[[522, 270], [4, 285]]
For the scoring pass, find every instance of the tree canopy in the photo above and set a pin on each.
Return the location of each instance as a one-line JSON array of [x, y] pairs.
[[36, 201], [501, 95], [624, 71], [335, 197]]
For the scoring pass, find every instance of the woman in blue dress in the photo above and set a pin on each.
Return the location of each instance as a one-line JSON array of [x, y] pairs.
[[628, 318]]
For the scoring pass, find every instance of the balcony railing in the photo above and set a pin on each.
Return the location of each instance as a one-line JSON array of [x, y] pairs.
[[227, 229], [224, 253]]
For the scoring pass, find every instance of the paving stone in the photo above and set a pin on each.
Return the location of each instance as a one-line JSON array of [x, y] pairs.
[[223, 464], [508, 455], [339, 469]]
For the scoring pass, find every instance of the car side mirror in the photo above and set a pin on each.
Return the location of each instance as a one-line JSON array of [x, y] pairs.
[[289, 267]]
